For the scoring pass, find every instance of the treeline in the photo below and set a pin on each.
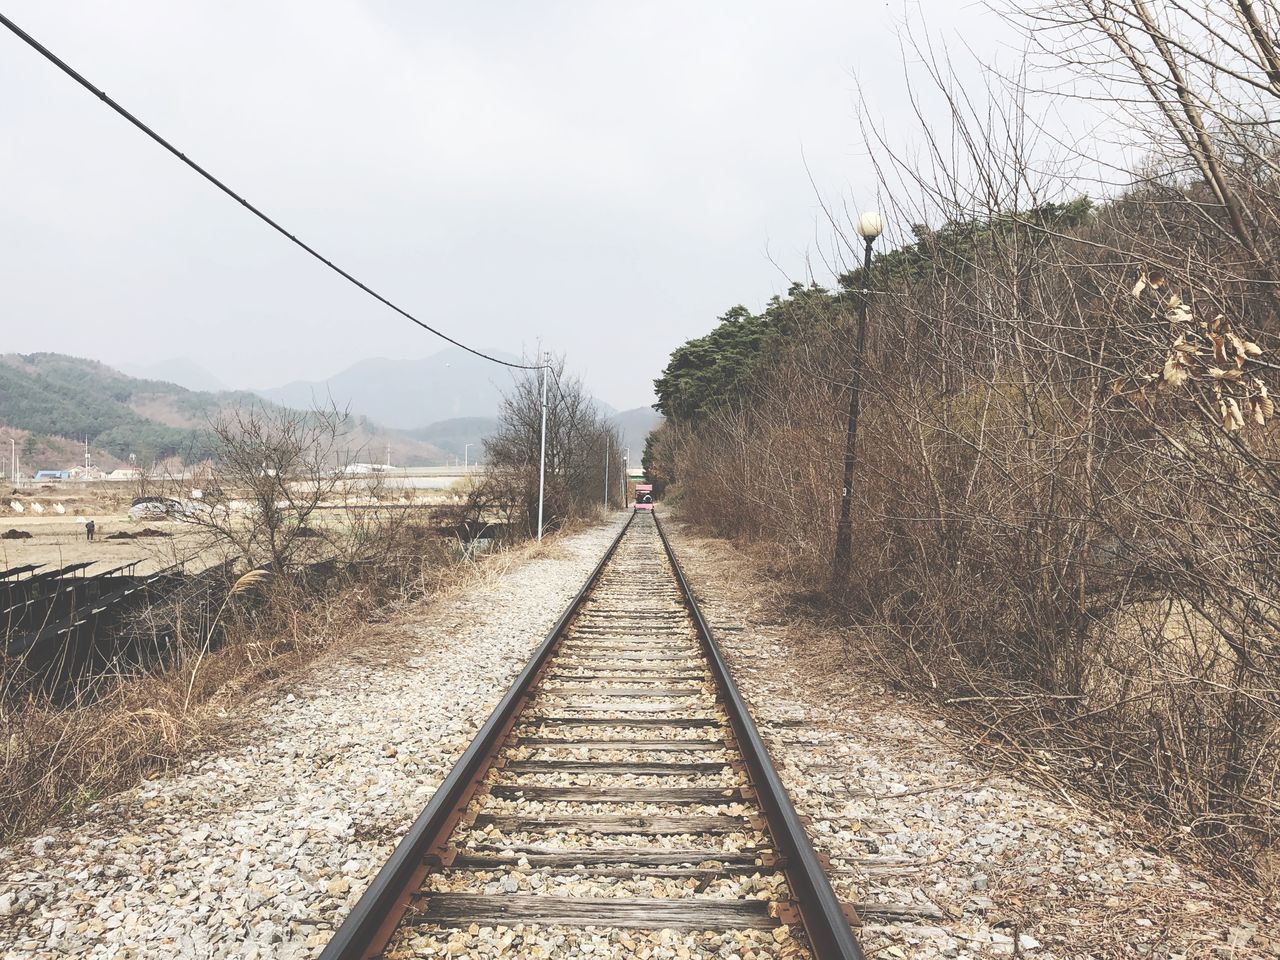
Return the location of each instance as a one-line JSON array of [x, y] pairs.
[[583, 456], [1067, 495], [61, 396]]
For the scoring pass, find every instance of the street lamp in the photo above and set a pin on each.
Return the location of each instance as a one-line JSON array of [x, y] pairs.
[[466, 461], [870, 225]]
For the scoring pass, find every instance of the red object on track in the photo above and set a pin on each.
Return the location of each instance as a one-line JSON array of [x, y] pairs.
[[644, 496]]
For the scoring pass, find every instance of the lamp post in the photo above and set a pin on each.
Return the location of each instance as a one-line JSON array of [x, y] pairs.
[[13, 461], [870, 226], [466, 458]]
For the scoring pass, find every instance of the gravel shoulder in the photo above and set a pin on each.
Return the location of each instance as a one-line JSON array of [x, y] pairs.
[[944, 855], [261, 848]]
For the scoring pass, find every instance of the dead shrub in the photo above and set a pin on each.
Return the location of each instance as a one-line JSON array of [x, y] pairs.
[[1067, 501]]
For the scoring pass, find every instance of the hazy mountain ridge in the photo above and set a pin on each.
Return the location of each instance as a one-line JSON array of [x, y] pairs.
[[634, 426], [404, 393], [453, 435], [182, 371], [456, 394], [60, 397], [56, 398]]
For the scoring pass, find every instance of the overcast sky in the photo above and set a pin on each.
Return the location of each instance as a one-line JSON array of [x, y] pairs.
[[606, 177]]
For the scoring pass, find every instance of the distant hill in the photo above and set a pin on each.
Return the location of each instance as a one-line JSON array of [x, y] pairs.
[[405, 393], [50, 395], [453, 435], [182, 371], [634, 425]]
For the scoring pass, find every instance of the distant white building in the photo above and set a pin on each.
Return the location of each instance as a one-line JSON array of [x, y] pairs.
[[364, 469], [124, 474]]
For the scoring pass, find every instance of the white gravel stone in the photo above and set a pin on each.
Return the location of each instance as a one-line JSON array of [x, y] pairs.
[[262, 848]]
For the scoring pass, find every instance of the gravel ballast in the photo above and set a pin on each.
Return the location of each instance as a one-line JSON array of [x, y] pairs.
[[260, 849], [943, 857]]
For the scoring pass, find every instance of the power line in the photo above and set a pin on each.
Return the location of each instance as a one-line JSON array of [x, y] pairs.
[[101, 95]]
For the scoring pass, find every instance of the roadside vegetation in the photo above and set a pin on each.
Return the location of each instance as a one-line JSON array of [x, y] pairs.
[[579, 443], [310, 559], [1067, 497]]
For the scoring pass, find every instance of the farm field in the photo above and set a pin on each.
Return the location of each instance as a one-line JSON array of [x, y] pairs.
[[58, 539]]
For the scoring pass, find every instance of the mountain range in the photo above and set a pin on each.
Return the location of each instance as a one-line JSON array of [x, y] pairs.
[[182, 371], [54, 397], [456, 435], [48, 399], [406, 393], [455, 393]]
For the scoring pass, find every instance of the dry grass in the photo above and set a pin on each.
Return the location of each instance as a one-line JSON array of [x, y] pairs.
[[840, 662], [56, 760]]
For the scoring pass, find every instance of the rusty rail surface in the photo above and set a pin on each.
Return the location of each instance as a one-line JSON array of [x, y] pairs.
[[823, 916], [375, 916]]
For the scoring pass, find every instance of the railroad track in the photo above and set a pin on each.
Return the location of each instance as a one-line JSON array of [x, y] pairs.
[[618, 802]]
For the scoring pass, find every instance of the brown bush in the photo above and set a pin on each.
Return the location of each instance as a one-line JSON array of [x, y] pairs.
[[1066, 510]]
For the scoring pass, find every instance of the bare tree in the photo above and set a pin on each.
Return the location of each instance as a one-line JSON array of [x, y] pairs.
[[273, 468], [578, 440], [1068, 505]]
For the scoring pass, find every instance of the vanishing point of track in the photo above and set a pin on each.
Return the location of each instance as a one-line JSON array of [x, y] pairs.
[[624, 757]]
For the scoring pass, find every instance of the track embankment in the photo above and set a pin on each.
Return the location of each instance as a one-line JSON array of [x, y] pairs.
[[619, 802], [258, 849], [944, 855]]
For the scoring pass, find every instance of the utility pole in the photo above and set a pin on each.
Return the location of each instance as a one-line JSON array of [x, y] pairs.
[[542, 455], [607, 444]]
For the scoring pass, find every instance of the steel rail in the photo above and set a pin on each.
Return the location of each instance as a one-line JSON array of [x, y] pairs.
[[372, 922], [823, 915]]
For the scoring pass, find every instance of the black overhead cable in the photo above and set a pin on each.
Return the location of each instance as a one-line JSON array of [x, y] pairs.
[[101, 95]]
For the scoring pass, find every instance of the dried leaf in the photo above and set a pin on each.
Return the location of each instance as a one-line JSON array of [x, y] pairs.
[[1219, 348], [1175, 373], [1232, 418], [1263, 400], [1237, 417], [1237, 346], [1251, 349], [1139, 287]]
